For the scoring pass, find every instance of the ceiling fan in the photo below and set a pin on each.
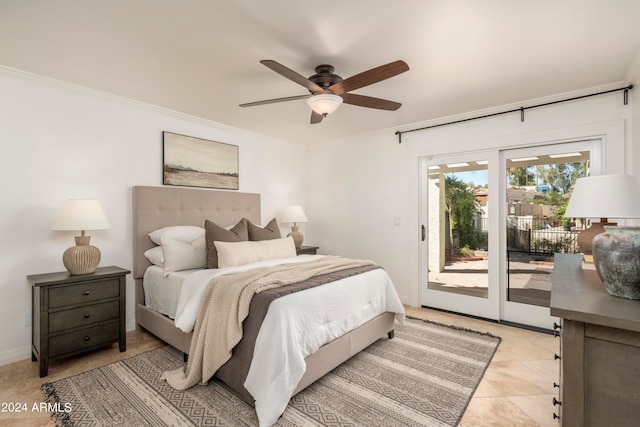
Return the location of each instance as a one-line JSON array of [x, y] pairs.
[[329, 91]]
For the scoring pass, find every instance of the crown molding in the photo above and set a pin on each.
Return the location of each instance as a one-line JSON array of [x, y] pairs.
[[512, 106], [28, 76], [633, 73]]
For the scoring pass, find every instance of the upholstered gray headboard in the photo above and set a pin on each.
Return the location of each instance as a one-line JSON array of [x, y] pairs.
[[157, 207]]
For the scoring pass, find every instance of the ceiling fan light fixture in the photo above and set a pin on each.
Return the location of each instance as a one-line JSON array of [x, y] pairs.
[[324, 103]]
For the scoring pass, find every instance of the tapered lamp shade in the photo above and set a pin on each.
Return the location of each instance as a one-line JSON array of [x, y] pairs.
[[81, 215], [604, 197], [295, 214]]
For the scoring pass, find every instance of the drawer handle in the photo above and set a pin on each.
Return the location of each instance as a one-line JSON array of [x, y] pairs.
[[556, 385], [87, 315], [556, 416], [87, 338], [556, 326], [87, 292], [556, 402], [556, 357]]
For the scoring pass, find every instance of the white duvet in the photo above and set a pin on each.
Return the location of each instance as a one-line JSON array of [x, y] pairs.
[[295, 326]]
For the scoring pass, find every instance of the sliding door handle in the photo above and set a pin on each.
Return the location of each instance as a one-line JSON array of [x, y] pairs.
[[424, 232]]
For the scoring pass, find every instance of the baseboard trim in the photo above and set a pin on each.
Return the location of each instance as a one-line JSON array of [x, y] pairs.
[[15, 355], [22, 353]]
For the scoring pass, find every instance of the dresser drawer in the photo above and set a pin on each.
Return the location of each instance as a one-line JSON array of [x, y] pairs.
[[84, 316], [83, 292], [83, 338]]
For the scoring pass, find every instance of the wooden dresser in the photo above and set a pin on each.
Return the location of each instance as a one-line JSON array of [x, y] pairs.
[[600, 349], [74, 314]]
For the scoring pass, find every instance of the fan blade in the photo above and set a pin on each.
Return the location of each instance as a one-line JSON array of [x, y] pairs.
[[292, 75], [370, 102], [273, 101], [369, 77], [316, 117]]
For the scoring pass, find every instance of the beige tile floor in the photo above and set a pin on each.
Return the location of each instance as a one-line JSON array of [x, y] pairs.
[[517, 389]]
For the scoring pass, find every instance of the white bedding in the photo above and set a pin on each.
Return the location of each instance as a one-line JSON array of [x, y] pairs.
[[161, 293], [194, 286], [296, 325]]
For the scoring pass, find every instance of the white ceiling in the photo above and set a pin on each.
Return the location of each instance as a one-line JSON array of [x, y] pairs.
[[201, 57]]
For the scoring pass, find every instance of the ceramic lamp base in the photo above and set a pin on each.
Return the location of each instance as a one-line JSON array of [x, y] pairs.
[[585, 237], [616, 254], [82, 258], [297, 236]]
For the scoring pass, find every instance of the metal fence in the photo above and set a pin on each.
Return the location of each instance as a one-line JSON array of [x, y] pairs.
[[540, 235], [533, 234]]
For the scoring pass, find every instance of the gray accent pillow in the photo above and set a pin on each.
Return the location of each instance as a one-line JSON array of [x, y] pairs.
[[268, 232], [213, 233]]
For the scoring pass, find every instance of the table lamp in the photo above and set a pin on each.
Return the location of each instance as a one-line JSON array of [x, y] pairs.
[[81, 215], [615, 250], [295, 214]]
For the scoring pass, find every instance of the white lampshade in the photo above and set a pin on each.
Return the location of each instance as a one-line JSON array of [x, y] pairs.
[[605, 196], [294, 214], [81, 215], [324, 103]]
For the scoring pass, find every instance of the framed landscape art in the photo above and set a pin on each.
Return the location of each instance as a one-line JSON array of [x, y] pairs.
[[195, 162]]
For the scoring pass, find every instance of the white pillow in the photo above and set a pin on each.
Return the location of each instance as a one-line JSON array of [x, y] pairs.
[[155, 256], [239, 253], [180, 255], [184, 233]]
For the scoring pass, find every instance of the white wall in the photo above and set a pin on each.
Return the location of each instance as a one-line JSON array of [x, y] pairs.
[[60, 142], [358, 186]]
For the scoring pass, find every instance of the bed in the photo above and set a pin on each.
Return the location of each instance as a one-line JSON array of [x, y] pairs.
[[158, 207]]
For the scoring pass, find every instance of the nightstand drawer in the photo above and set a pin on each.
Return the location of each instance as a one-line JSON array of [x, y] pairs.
[[307, 250], [83, 292], [72, 314], [82, 316], [83, 338]]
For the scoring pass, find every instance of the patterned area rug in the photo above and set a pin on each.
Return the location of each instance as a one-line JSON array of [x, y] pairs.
[[425, 376]]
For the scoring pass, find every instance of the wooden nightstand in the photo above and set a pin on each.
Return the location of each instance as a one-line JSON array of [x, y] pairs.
[[307, 250], [74, 314]]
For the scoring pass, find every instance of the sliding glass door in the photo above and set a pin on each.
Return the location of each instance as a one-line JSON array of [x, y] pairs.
[[456, 235], [491, 223], [536, 189]]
